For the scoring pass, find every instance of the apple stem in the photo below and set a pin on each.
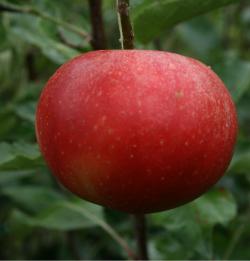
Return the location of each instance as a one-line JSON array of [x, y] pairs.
[[98, 39], [127, 42], [125, 26], [141, 236]]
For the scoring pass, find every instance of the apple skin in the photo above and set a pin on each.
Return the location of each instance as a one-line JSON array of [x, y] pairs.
[[134, 130]]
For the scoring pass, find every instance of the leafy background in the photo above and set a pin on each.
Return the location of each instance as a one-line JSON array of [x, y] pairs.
[[41, 220]]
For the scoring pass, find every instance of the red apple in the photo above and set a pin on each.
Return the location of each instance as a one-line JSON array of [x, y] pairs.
[[137, 131]]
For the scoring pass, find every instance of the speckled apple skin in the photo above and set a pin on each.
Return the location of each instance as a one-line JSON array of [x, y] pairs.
[[137, 131]]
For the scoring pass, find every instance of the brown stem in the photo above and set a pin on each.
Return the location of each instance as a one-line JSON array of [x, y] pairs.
[[127, 42], [125, 26], [141, 236], [98, 34]]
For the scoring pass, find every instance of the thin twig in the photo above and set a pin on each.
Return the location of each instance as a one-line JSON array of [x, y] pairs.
[[141, 236], [125, 26], [98, 40], [7, 7]]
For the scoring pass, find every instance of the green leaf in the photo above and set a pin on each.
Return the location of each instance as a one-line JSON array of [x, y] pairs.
[[6, 153], [241, 162], [235, 73], [35, 32], [19, 156], [12, 176], [26, 111], [60, 216], [200, 34], [9, 121], [185, 240], [57, 52], [50, 209], [158, 16], [5, 58], [190, 226], [216, 207], [26, 150], [32, 198]]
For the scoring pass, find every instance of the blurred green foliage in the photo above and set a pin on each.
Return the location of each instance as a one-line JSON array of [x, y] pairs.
[[41, 220]]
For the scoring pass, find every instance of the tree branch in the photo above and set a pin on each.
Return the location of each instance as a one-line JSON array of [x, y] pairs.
[[7, 7], [98, 40], [141, 236], [125, 26]]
